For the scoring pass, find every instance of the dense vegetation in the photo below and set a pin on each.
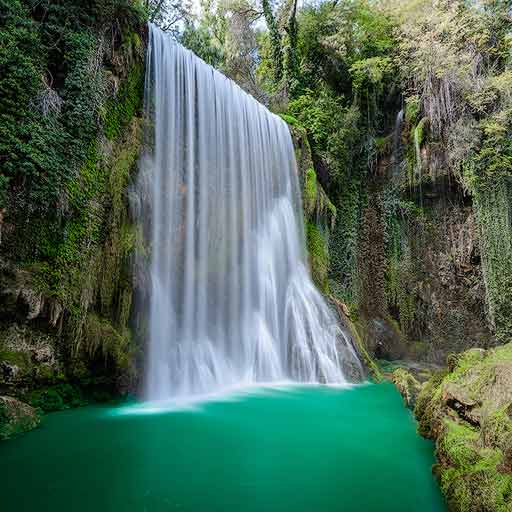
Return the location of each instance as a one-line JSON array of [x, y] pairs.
[[70, 88]]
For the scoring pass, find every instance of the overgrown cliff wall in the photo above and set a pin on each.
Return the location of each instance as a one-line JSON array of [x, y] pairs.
[[71, 98]]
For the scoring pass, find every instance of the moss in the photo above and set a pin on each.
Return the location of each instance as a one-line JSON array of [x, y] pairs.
[[419, 132], [318, 256], [497, 429], [20, 359], [102, 337], [356, 329], [467, 410], [472, 481], [120, 110], [310, 191], [426, 409], [407, 385]]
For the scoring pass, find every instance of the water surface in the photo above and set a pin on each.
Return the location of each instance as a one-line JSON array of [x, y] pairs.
[[305, 449]]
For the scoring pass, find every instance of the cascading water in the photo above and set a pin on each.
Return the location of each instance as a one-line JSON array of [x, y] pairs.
[[231, 299]]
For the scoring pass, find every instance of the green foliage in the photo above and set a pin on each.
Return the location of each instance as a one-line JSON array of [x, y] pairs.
[[370, 79], [48, 400], [332, 130], [332, 37], [16, 418], [120, 110], [4, 417], [344, 240], [292, 121], [346, 71], [52, 86], [200, 41], [57, 397], [412, 109], [276, 50], [493, 197], [315, 114]]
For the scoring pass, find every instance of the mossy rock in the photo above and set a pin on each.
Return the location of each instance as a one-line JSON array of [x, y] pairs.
[[16, 417], [407, 386], [467, 410]]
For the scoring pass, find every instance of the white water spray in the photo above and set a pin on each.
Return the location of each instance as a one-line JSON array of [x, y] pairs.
[[231, 299]]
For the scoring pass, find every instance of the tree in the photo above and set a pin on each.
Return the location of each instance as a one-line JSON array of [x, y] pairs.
[[169, 15]]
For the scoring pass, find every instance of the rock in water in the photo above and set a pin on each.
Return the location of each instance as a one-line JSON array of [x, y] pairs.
[[16, 417]]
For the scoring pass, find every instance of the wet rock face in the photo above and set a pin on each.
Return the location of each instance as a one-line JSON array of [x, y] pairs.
[[385, 342], [445, 284], [16, 417], [467, 410]]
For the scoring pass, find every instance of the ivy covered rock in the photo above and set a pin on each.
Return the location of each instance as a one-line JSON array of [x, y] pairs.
[[16, 417], [70, 126], [467, 410]]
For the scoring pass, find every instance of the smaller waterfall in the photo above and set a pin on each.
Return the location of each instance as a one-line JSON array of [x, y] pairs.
[[396, 158], [231, 298]]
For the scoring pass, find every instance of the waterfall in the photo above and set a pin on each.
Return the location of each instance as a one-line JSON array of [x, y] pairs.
[[231, 299], [396, 156]]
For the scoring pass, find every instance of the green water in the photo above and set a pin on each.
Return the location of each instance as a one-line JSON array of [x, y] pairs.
[[307, 449]]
